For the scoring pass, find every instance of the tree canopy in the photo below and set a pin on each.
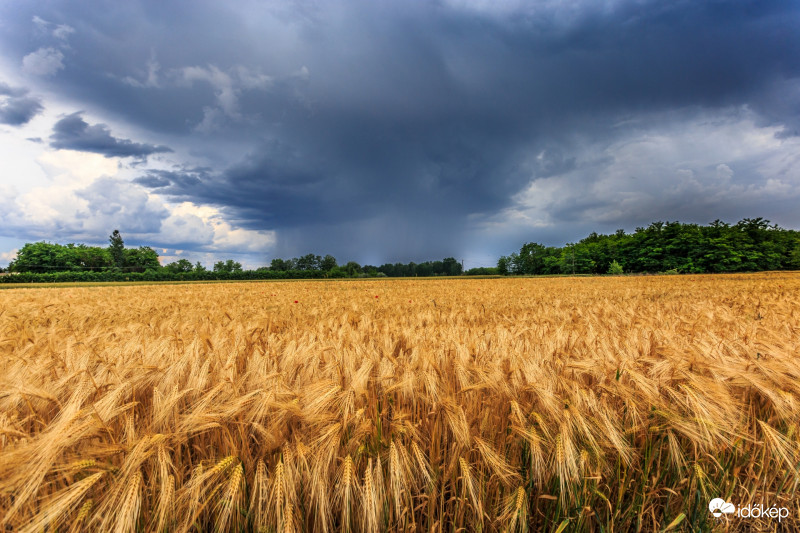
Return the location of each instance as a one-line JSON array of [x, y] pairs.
[[749, 245], [46, 257]]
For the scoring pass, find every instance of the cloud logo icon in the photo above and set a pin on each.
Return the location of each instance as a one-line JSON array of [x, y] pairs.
[[718, 507]]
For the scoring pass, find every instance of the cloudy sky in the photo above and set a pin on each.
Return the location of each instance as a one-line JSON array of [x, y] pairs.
[[391, 130]]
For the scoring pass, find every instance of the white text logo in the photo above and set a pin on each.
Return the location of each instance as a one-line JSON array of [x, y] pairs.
[[719, 507]]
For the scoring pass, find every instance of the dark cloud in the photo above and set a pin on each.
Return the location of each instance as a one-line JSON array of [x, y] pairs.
[[184, 179], [7, 90], [74, 133], [16, 107], [152, 181], [402, 127]]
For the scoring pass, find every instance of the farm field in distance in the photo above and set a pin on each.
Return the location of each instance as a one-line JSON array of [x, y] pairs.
[[528, 404]]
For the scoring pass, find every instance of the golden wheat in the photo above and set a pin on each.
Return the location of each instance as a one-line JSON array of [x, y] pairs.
[[495, 405]]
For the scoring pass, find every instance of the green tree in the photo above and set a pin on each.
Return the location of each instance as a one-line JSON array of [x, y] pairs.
[[117, 249], [140, 259], [615, 268], [281, 265], [451, 267], [43, 257], [181, 265], [530, 259], [575, 259], [352, 268], [48, 257], [337, 272], [328, 263], [227, 267], [389, 269], [92, 257], [308, 262], [503, 265]]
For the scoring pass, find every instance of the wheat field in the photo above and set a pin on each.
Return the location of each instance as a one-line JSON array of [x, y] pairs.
[[562, 404]]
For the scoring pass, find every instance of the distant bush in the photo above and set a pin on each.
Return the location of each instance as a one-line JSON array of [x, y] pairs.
[[161, 274], [615, 268], [337, 272], [482, 271]]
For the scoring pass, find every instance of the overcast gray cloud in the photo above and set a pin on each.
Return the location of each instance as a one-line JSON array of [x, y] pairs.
[[74, 133], [172, 181], [16, 107], [402, 130]]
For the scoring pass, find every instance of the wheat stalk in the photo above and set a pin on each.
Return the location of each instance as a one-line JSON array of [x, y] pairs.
[[167, 406]]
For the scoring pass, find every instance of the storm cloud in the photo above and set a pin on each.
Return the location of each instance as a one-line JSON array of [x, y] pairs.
[[74, 133], [16, 107], [402, 130]]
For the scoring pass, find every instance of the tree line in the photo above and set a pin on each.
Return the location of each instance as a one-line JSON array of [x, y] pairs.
[[312, 265], [749, 245], [674, 247], [49, 258], [51, 262]]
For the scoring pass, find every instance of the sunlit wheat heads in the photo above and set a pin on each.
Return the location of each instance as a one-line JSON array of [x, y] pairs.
[[599, 404]]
